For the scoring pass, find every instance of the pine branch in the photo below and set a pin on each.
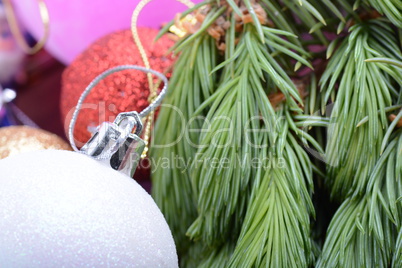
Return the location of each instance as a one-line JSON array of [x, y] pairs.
[[223, 193], [255, 64], [310, 13], [351, 243], [276, 228], [363, 231], [363, 90], [189, 86]]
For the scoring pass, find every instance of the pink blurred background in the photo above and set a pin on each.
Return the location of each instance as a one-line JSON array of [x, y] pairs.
[[75, 24]]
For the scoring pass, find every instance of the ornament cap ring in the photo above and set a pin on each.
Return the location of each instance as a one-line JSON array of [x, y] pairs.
[[124, 116]]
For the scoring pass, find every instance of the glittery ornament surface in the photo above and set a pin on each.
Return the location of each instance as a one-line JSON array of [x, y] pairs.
[[120, 92], [18, 139], [64, 209]]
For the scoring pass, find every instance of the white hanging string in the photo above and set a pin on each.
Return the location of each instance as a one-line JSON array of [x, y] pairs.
[[152, 106]]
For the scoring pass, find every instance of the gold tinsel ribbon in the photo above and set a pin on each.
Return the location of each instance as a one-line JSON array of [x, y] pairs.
[[16, 31], [153, 88]]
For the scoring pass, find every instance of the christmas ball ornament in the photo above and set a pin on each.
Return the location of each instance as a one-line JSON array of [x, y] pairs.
[[86, 21], [18, 139], [61, 208], [122, 91]]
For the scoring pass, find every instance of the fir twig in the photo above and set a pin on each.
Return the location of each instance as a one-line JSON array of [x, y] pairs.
[[364, 89], [171, 183]]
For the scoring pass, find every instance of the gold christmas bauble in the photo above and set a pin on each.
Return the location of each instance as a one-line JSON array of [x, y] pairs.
[[18, 139]]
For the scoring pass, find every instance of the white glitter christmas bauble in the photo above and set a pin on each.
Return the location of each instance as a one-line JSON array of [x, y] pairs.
[[64, 209]]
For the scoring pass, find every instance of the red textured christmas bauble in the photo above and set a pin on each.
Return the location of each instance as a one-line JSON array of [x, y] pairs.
[[120, 92]]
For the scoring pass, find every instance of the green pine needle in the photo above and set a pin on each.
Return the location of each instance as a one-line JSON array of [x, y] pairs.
[[396, 63]]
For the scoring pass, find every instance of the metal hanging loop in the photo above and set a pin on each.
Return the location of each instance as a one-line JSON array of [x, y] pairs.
[[114, 144]]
